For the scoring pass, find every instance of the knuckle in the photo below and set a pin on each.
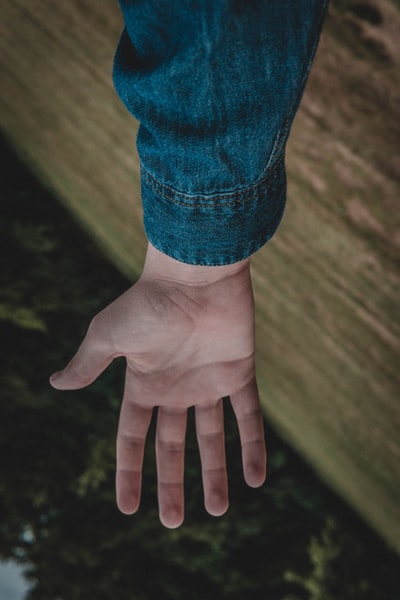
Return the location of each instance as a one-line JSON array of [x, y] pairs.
[[79, 375], [212, 437], [133, 441], [172, 446]]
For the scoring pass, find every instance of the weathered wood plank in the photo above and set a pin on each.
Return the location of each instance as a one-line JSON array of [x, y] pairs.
[[61, 113], [327, 287]]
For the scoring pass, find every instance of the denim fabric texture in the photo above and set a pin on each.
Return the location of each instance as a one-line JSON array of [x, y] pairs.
[[215, 85]]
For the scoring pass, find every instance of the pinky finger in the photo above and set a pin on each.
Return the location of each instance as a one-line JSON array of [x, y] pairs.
[[246, 406]]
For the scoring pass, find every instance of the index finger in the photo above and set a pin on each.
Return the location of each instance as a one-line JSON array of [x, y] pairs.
[[134, 422]]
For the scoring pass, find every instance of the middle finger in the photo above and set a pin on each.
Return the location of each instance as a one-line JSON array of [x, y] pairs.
[[170, 453]]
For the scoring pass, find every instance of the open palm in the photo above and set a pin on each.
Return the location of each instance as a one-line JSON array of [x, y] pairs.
[[187, 342]]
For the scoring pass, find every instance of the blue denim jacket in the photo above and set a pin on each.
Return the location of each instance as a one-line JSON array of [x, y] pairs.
[[215, 85]]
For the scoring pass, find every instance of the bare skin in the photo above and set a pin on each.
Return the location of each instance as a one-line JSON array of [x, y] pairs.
[[187, 333]]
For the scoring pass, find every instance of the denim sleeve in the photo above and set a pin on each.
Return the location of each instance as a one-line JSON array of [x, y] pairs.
[[215, 85]]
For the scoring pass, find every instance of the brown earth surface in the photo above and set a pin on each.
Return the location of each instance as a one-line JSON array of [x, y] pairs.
[[327, 287]]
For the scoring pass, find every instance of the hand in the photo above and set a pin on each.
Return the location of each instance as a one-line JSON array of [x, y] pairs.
[[187, 333]]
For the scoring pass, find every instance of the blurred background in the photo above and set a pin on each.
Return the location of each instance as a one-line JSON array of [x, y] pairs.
[[326, 525]]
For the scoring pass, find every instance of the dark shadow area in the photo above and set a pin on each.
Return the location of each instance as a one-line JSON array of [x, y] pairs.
[[367, 12], [290, 540]]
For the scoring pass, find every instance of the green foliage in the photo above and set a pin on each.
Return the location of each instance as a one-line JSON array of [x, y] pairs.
[[340, 568], [290, 539]]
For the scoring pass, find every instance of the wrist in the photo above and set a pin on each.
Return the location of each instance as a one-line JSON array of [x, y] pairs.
[[161, 266]]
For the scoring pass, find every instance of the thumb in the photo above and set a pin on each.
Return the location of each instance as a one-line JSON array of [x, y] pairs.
[[92, 357]]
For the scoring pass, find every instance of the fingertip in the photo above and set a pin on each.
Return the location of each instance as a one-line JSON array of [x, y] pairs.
[[217, 509], [70, 379], [173, 519], [171, 504], [127, 508], [55, 379], [128, 492], [255, 480], [216, 499], [64, 380], [173, 523], [255, 474]]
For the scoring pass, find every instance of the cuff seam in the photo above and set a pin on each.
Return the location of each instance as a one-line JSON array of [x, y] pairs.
[[232, 197]]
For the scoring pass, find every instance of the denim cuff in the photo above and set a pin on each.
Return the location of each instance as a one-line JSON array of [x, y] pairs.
[[215, 86], [213, 229]]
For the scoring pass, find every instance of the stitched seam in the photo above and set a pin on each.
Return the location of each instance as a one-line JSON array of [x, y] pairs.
[[230, 198]]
